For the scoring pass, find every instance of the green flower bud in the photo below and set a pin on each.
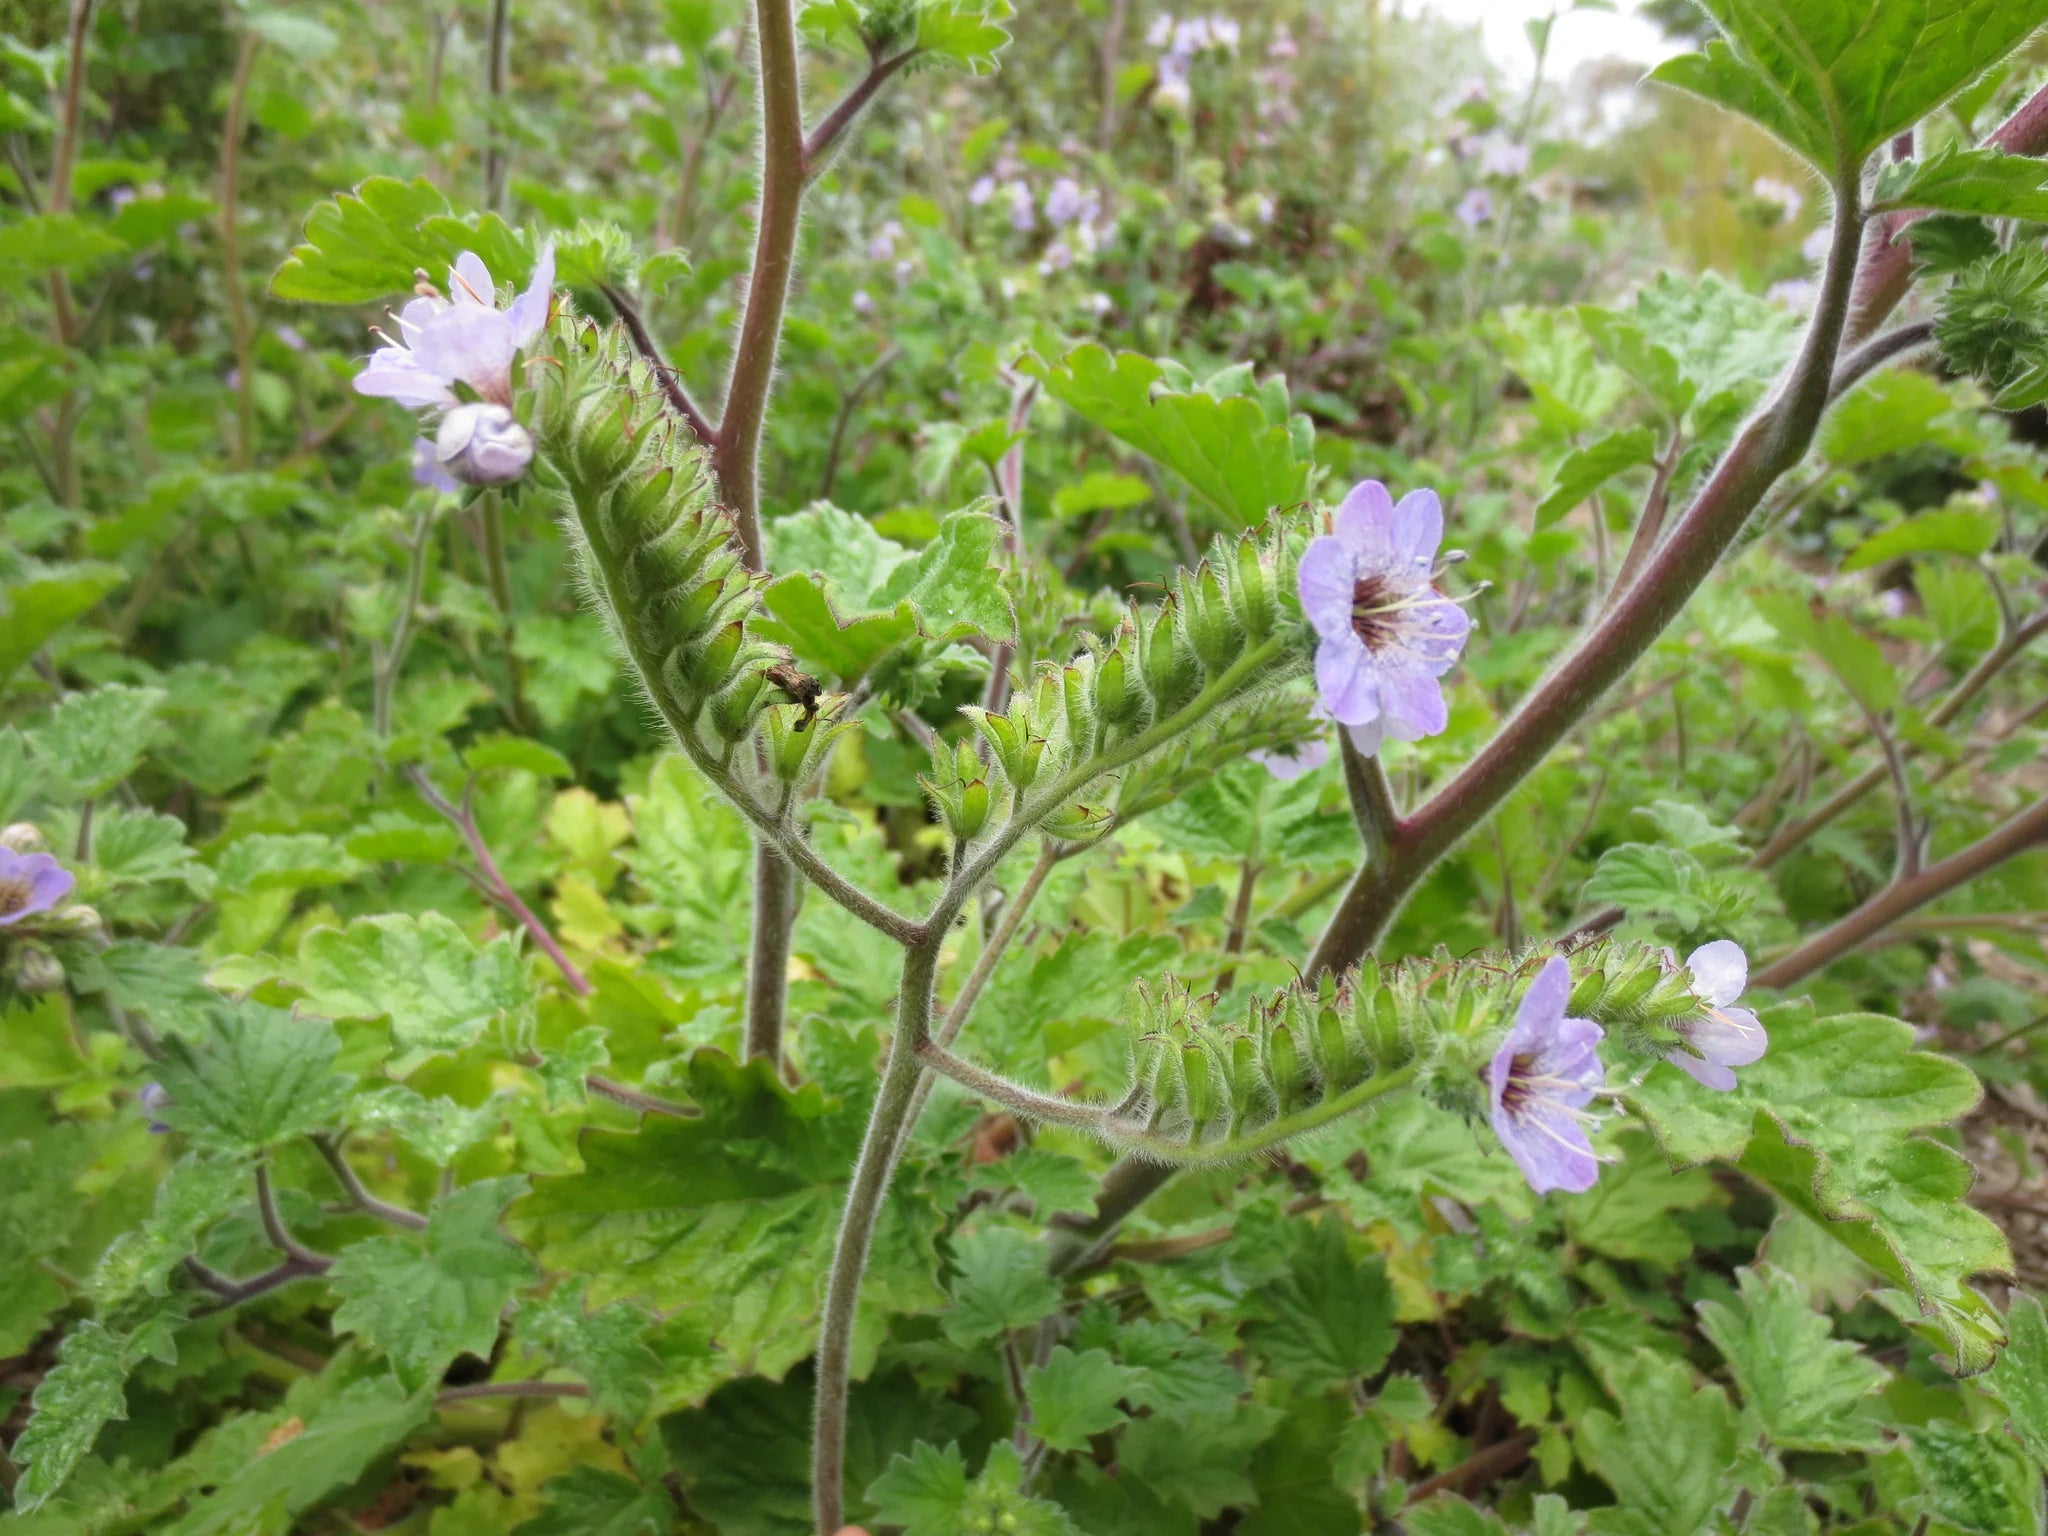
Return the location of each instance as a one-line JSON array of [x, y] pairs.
[[1116, 701], [1283, 1068], [1080, 711], [734, 711], [1213, 630], [709, 667], [1172, 675], [1198, 1073], [1337, 1064], [1251, 594]]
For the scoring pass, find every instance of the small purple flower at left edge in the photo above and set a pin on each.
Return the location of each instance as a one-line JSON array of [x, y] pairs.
[[1721, 1036], [30, 883], [1386, 634], [1545, 1073]]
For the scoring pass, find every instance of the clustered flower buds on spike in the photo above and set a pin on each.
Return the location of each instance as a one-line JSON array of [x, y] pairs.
[[1196, 1080], [1161, 659], [454, 354], [1685, 1014], [958, 786], [660, 557]]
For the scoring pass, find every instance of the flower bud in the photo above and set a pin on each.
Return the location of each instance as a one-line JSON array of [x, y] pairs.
[[76, 922], [1198, 1073], [1212, 628], [483, 444], [708, 667], [21, 837], [1080, 712], [1251, 595], [1077, 823], [1172, 674], [37, 971], [1116, 701], [734, 711], [1283, 1068]]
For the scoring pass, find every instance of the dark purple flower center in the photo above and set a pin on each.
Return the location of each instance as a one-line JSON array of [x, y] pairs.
[[15, 894], [1376, 605], [1517, 1091]]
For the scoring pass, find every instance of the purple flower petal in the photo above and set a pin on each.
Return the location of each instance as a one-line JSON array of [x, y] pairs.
[[1412, 702], [1720, 971], [529, 312], [1326, 580], [1710, 1074], [471, 344], [1552, 1150], [469, 281], [1365, 523], [427, 470], [393, 374], [1544, 1074], [1368, 737], [1417, 530], [1348, 680], [1303, 758]]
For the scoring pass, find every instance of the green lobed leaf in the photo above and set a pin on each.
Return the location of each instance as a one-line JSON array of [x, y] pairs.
[[257, 1077], [34, 609], [927, 1493], [2020, 1378], [1895, 412], [80, 1394], [605, 1347], [1826, 1120], [1965, 531], [1229, 450], [1973, 1481], [1651, 878], [339, 1434], [964, 34], [196, 1193], [1808, 1390], [437, 985], [1001, 1285], [1667, 1453], [1584, 470], [92, 741], [424, 1304], [590, 1501], [1074, 1396], [1835, 81], [732, 1215], [1965, 180], [365, 245], [1330, 1320]]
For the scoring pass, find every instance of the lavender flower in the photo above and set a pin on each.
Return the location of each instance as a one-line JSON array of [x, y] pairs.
[[30, 883], [883, 246], [1781, 195], [982, 192], [863, 302], [1160, 33], [1387, 634], [1541, 1080], [1023, 210], [1721, 1036], [466, 339], [1283, 45], [1475, 208], [1303, 757], [427, 471], [483, 444], [152, 1099], [1500, 155], [1065, 202], [1059, 256]]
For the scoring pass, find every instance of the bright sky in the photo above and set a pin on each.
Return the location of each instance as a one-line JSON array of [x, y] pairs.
[[1580, 35]]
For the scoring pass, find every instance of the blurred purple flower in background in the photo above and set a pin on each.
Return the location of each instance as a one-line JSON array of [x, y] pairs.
[[1475, 207]]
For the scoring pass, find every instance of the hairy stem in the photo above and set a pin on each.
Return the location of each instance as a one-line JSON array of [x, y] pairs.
[[1974, 682], [1773, 441], [498, 54], [777, 895], [825, 138], [736, 458], [2026, 831], [498, 576], [231, 251], [358, 1194], [1133, 1136], [857, 1229], [64, 319]]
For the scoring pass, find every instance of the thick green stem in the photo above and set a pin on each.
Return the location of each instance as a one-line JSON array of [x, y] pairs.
[[864, 1198]]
